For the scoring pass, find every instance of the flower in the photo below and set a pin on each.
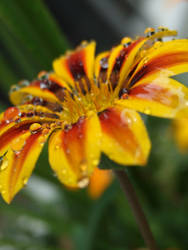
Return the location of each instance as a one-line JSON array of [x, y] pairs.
[[89, 105]]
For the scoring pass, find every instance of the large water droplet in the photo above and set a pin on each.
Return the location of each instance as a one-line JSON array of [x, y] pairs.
[[83, 182], [14, 88], [11, 114], [35, 128], [18, 144], [24, 83]]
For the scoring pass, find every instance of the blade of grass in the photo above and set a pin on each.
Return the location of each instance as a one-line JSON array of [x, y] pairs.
[[45, 25], [18, 24]]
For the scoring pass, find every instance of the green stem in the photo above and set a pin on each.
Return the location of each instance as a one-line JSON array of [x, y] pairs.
[[136, 209]]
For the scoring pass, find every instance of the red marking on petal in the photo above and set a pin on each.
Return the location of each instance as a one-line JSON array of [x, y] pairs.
[[154, 93], [160, 62], [12, 133], [73, 141], [75, 64], [20, 157], [118, 129]]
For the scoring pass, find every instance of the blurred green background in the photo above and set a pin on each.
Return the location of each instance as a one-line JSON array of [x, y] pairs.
[[46, 216]]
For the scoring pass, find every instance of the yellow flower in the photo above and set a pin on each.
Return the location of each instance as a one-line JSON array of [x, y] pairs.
[[88, 105]]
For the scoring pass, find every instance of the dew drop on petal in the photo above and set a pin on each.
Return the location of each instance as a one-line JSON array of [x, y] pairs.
[[11, 113], [64, 171], [3, 191], [147, 111], [157, 44], [25, 180], [149, 31], [82, 183], [24, 83], [83, 166], [3, 163], [57, 146], [35, 128], [45, 131], [14, 88]]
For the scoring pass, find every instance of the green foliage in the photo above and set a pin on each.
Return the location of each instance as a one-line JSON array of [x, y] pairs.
[[45, 215]]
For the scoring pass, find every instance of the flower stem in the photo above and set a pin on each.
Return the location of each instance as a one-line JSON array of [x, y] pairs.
[[136, 208]]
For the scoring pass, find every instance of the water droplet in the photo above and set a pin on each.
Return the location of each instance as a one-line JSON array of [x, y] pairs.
[[3, 163], [83, 166], [126, 41], [27, 99], [17, 153], [18, 144], [162, 28], [43, 75], [67, 127], [14, 88], [45, 131], [35, 128], [24, 83], [104, 63], [57, 146], [157, 44], [129, 120], [149, 31], [68, 151], [3, 191], [25, 180], [84, 44], [95, 162], [123, 93], [147, 111], [11, 114], [64, 171], [42, 140], [83, 182]]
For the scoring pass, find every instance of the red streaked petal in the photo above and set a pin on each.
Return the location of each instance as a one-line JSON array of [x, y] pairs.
[[17, 165], [169, 59], [124, 136], [162, 97], [51, 89], [76, 64], [75, 152]]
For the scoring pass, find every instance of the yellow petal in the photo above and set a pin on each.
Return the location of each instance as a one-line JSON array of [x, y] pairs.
[[163, 97], [75, 152], [166, 59], [124, 136], [52, 89], [99, 182], [18, 162]]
